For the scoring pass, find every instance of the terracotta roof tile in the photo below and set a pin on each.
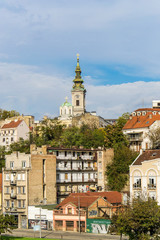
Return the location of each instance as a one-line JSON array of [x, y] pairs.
[[141, 121], [12, 124], [147, 156], [86, 199]]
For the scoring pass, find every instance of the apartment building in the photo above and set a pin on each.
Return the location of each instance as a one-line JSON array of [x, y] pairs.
[[145, 175], [80, 170], [15, 187], [141, 122], [27, 180], [11, 132]]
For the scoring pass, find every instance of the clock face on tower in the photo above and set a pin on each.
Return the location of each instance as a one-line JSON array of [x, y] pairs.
[[77, 96]]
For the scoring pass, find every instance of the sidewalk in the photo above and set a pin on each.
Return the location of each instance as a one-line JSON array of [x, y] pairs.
[[63, 235]]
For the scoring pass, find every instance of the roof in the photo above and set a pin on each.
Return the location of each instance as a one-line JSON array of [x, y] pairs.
[[141, 121], [72, 149], [147, 156], [12, 124], [66, 104], [86, 199]]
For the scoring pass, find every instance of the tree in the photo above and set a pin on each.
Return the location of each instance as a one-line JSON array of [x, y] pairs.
[[8, 114], [117, 171], [7, 223], [20, 146], [139, 220], [154, 136]]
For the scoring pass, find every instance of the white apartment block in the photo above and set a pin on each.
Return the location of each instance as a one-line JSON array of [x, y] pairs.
[[12, 131]]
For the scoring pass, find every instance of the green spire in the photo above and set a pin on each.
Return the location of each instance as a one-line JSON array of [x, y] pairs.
[[78, 80]]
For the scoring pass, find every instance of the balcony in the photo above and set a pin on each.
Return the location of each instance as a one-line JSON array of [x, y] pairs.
[[13, 196], [135, 139], [151, 186], [77, 181], [13, 182], [136, 186], [61, 212]]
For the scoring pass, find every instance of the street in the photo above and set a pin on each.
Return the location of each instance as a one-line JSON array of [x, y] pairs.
[[63, 235]]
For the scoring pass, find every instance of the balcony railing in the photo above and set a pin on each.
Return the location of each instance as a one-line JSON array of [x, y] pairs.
[[13, 182], [13, 196], [135, 139], [136, 186], [151, 186], [61, 212]]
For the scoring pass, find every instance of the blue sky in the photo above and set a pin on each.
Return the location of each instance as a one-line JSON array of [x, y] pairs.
[[118, 42]]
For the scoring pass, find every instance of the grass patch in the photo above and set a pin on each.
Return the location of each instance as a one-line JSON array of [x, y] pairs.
[[23, 238]]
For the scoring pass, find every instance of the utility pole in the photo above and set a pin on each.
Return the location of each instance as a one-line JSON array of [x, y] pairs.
[[79, 214], [40, 224]]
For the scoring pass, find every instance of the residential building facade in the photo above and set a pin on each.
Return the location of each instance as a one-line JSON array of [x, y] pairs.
[[27, 180], [73, 212], [141, 123], [145, 175], [11, 132], [15, 186], [77, 169]]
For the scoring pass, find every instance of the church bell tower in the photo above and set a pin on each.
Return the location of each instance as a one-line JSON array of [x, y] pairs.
[[78, 92]]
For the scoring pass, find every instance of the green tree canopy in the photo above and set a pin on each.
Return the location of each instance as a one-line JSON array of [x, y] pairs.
[[7, 114], [6, 223], [117, 171], [140, 220]]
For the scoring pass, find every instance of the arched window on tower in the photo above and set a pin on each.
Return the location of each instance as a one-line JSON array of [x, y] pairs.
[[77, 102]]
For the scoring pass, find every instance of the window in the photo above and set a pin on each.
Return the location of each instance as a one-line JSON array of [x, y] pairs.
[[23, 203], [3, 139], [100, 154], [7, 177], [100, 175], [12, 164], [65, 153], [58, 177], [77, 102], [12, 204], [19, 190], [65, 164], [12, 139], [74, 154], [69, 210], [7, 203], [19, 176], [7, 189], [57, 153], [66, 176], [23, 190], [23, 176], [19, 203], [69, 111], [23, 164], [152, 183], [137, 182], [100, 165]]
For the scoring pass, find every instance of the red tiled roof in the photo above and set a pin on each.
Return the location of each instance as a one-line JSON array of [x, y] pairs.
[[141, 121], [86, 199], [12, 124], [147, 156], [147, 109]]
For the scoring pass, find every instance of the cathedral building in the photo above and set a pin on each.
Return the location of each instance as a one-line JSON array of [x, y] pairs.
[[75, 114]]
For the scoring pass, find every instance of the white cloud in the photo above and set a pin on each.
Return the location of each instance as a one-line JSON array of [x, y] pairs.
[[123, 32], [25, 89]]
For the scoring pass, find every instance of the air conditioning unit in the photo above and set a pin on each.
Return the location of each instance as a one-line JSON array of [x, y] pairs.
[[6, 208]]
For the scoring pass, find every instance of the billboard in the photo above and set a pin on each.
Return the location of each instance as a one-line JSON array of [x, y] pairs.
[[98, 225]]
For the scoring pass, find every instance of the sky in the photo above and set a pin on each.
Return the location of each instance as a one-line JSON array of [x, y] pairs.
[[119, 46]]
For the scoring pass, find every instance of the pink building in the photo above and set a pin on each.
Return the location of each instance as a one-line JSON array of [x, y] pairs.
[[72, 213]]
